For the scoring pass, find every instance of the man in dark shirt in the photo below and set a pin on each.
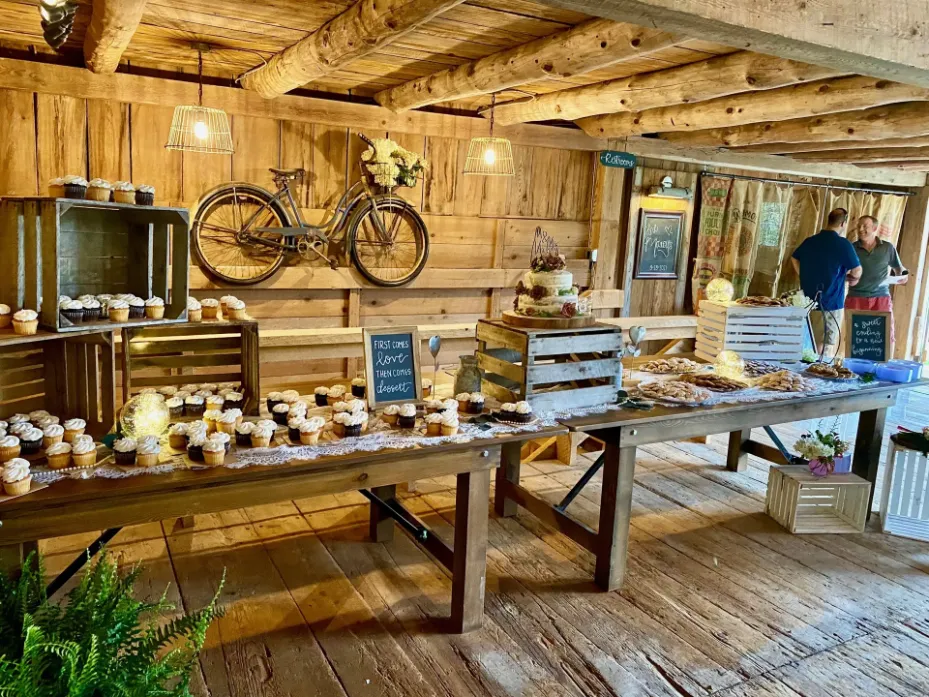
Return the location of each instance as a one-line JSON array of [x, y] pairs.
[[825, 262]]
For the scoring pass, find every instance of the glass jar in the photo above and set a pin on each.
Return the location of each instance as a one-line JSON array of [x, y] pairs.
[[468, 377]]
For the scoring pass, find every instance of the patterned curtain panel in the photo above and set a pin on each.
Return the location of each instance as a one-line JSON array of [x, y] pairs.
[[714, 193], [773, 225], [887, 208]]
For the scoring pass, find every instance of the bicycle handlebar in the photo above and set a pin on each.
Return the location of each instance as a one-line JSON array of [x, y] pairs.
[[366, 139]]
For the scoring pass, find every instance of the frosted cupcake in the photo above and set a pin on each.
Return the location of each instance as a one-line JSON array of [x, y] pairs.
[[210, 308], [144, 195], [358, 387], [148, 450], [434, 405], [177, 436], [273, 399], [449, 423], [6, 316], [123, 192], [58, 456], [194, 405], [92, 309], [194, 310], [407, 416], [243, 433], [336, 394], [224, 438], [210, 416], [9, 447], [125, 449], [261, 437], [136, 308], [320, 394], [290, 396], [99, 190], [226, 421], [72, 310], [523, 412], [214, 452], [391, 414], [75, 186], [26, 322], [339, 420], [73, 429], [30, 440], [155, 308], [84, 451], [464, 400], [235, 414], [293, 427], [297, 409], [475, 403], [355, 423], [17, 478], [279, 413], [215, 401], [235, 310], [224, 304], [175, 407], [233, 400], [450, 404], [52, 435], [434, 424], [117, 310], [195, 443], [310, 430], [167, 391], [56, 187], [427, 388]]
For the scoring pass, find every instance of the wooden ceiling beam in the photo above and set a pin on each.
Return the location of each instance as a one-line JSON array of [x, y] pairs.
[[591, 45], [886, 41], [112, 25], [696, 82], [864, 154], [790, 148], [363, 28], [910, 119], [795, 101], [903, 165]]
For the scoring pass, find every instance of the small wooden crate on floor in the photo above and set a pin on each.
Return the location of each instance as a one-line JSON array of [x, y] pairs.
[[70, 376], [550, 368], [60, 246], [759, 333], [905, 494], [196, 352], [804, 503]]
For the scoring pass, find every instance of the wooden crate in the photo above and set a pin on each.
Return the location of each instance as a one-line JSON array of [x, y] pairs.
[[71, 376], [196, 352], [54, 247], [804, 503], [760, 333], [551, 369], [905, 495]]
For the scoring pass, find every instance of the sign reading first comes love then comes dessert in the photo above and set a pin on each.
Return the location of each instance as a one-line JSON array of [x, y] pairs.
[[392, 370]]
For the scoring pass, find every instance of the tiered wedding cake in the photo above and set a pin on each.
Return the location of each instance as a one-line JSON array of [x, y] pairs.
[[547, 290]]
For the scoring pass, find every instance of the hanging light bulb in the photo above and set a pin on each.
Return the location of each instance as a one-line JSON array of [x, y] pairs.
[[490, 156], [199, 128]]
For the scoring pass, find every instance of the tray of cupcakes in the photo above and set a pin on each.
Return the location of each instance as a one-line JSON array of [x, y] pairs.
[[76, 187], [45, 441], [120, 308]]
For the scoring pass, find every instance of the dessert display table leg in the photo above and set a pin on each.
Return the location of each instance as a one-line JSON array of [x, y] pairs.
[[615, 514], [867, 457], [508, 471], [469, 566], [381, 527], [737, 456]]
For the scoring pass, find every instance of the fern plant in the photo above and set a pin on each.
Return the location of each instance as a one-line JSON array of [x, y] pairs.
[[100, 642]]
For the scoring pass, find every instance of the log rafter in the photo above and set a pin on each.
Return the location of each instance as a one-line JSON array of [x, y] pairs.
[[865, 154], [591, 45], [791, 148], [112, 25]]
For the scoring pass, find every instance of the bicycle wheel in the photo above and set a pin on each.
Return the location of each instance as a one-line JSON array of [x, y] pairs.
[[220, 224], [400, 257]]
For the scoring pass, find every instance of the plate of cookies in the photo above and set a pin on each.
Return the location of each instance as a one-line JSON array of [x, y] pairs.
[[761, 301], [671, 366], [824, 371], [785, 381], [674, 391], [713, 382]]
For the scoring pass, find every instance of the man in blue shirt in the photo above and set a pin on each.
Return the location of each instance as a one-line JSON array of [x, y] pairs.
[[825, 262]]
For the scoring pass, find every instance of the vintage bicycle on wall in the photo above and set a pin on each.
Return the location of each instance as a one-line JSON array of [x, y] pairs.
[[242, 233]]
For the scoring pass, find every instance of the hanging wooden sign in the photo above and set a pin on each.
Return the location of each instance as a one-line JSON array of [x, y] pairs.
[[615, 158], [392, 369], [868, 334]]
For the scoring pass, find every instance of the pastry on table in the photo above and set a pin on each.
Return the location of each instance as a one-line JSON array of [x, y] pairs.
[[214, 452], [58, 456], [26, 322], [235, 310], [261, 436], [6, 316], [175, 407], [321, 394], [223, 438], [837, 371], [336, 394], [716, 383], [215, 402], [449, 423], [358, 387], [236, 414], [145, 195], [355, 423], [391, 414], [17, 479], [407, 418], [194, 405], [75, 186], [233, 400], [293, 427], [209, 417], [155, 308], [84, 451], [92, 309], [99, 190], [56, 187], [450, 404], [434, 423], [167, 391], [52, 434], [124, 192], [9, 447], [674, 391], [118, 310], [290, 396], [226, 422], [195, 442], [273, 399], [515, 412], [464, 400], [209, 308], [197, 427], [30, 440], [475, 403], [136, 308], [310, 430], [427, 387], [340, 420], [279, 413], [147, 451], [125, 449], [433, 406], [666, 366], [194, 310], [243, 433], [73, 429], [177, 436], [755, 369], [224, 304], [72, 310], [785, 381]]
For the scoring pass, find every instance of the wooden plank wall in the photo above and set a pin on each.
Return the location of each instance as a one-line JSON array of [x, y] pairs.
[[481, 228]]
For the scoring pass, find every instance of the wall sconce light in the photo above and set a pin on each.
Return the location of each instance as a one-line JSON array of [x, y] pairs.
[[667, 190]]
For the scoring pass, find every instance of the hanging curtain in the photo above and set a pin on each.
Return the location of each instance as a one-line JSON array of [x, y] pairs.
[[773, 226], [714, 195], [803, 220], [739, 233], [887, 208]]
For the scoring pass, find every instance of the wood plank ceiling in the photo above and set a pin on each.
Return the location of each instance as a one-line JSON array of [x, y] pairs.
[[614, 80]]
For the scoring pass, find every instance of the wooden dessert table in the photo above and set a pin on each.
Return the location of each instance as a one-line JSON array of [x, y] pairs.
[[74, 505], [623, 430]]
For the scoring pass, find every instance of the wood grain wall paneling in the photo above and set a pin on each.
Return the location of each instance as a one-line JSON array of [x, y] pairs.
[[61, 137], [257, 144], [18, 175], [108, 148], [202, 172], [521, 185], [441, 177], [152, 163], [469, 188], [297, 152], [330, 165]]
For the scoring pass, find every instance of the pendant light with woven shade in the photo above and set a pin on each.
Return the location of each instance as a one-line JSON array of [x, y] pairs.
[[490, 156], [199, 128]]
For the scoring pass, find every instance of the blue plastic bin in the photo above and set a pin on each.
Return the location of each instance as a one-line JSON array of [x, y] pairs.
[[913, 367], [860, 366], [890, 373]]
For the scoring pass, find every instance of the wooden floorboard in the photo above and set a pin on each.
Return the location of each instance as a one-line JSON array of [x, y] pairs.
[[718, 599]]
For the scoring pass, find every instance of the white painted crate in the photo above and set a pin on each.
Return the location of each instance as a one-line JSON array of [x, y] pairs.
[[760, 333], [904, 500], [806, 504]]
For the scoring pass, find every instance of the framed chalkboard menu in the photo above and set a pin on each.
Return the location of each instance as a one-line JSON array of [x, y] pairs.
[[868, 334], [392, 370], [659, 244]]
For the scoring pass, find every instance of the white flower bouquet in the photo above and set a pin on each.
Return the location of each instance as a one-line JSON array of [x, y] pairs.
[[391, 165], [822, 449]]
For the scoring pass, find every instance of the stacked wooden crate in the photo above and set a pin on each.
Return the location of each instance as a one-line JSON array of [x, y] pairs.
[[759, 333]]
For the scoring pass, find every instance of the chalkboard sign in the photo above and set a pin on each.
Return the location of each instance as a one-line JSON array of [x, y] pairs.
[[615, 158], [392, 367], [868, 334], [659, 244]]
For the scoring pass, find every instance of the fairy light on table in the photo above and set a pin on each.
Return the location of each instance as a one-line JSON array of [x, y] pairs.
[[729, 364], [144, 415], [720, 290]]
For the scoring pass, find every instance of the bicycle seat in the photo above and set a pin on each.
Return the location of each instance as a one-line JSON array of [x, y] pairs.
[[288, 173]]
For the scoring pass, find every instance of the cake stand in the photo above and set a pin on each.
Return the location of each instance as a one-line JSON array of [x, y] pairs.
[[516, 320]]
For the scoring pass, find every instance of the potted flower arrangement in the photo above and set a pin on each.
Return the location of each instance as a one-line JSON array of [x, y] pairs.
[[390, 165], [826, 451]]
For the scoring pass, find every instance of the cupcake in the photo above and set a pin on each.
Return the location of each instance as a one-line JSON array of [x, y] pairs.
[[72, 310], [75, 186], [407, 416], [210, 387], [123, 192], [464, 401], [233, 400], [434, 424], [136, 308], [235, 310], [189, 388], [147, 451], [358, 387], [339, 420], [226, 421], [194, 405], [52, 434], [355, 423], [214, 452], [84, 451], [56, 187], [320, 394], [215, 402], [125, 449], [18, 419], [92, 309], [167, 391], [73, 429], [220, 437], [279, 413], [194, 310], [266, 423], [204, 394], [195, 443], [210, 416], [243, 433], [9, 447], [450, 404], [507, 411], [336, 394], [310, 430], [475, 403], [293, 428], [17, 479], [58, 455], [196, 428], [449, 423], [236, 414], [30, 440], [433, 406], [261, 436], [210, 308], [99, 190], [177, 436], [298, 408], [144, 195], [273, 399], [427, 388], [26, 322], [175, 407], [523, 413], [117, 310], [391, 414], [6, 318], [155, 308], [224, 304]]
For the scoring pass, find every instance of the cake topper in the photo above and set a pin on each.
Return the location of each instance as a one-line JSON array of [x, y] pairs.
[[545, 254]]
